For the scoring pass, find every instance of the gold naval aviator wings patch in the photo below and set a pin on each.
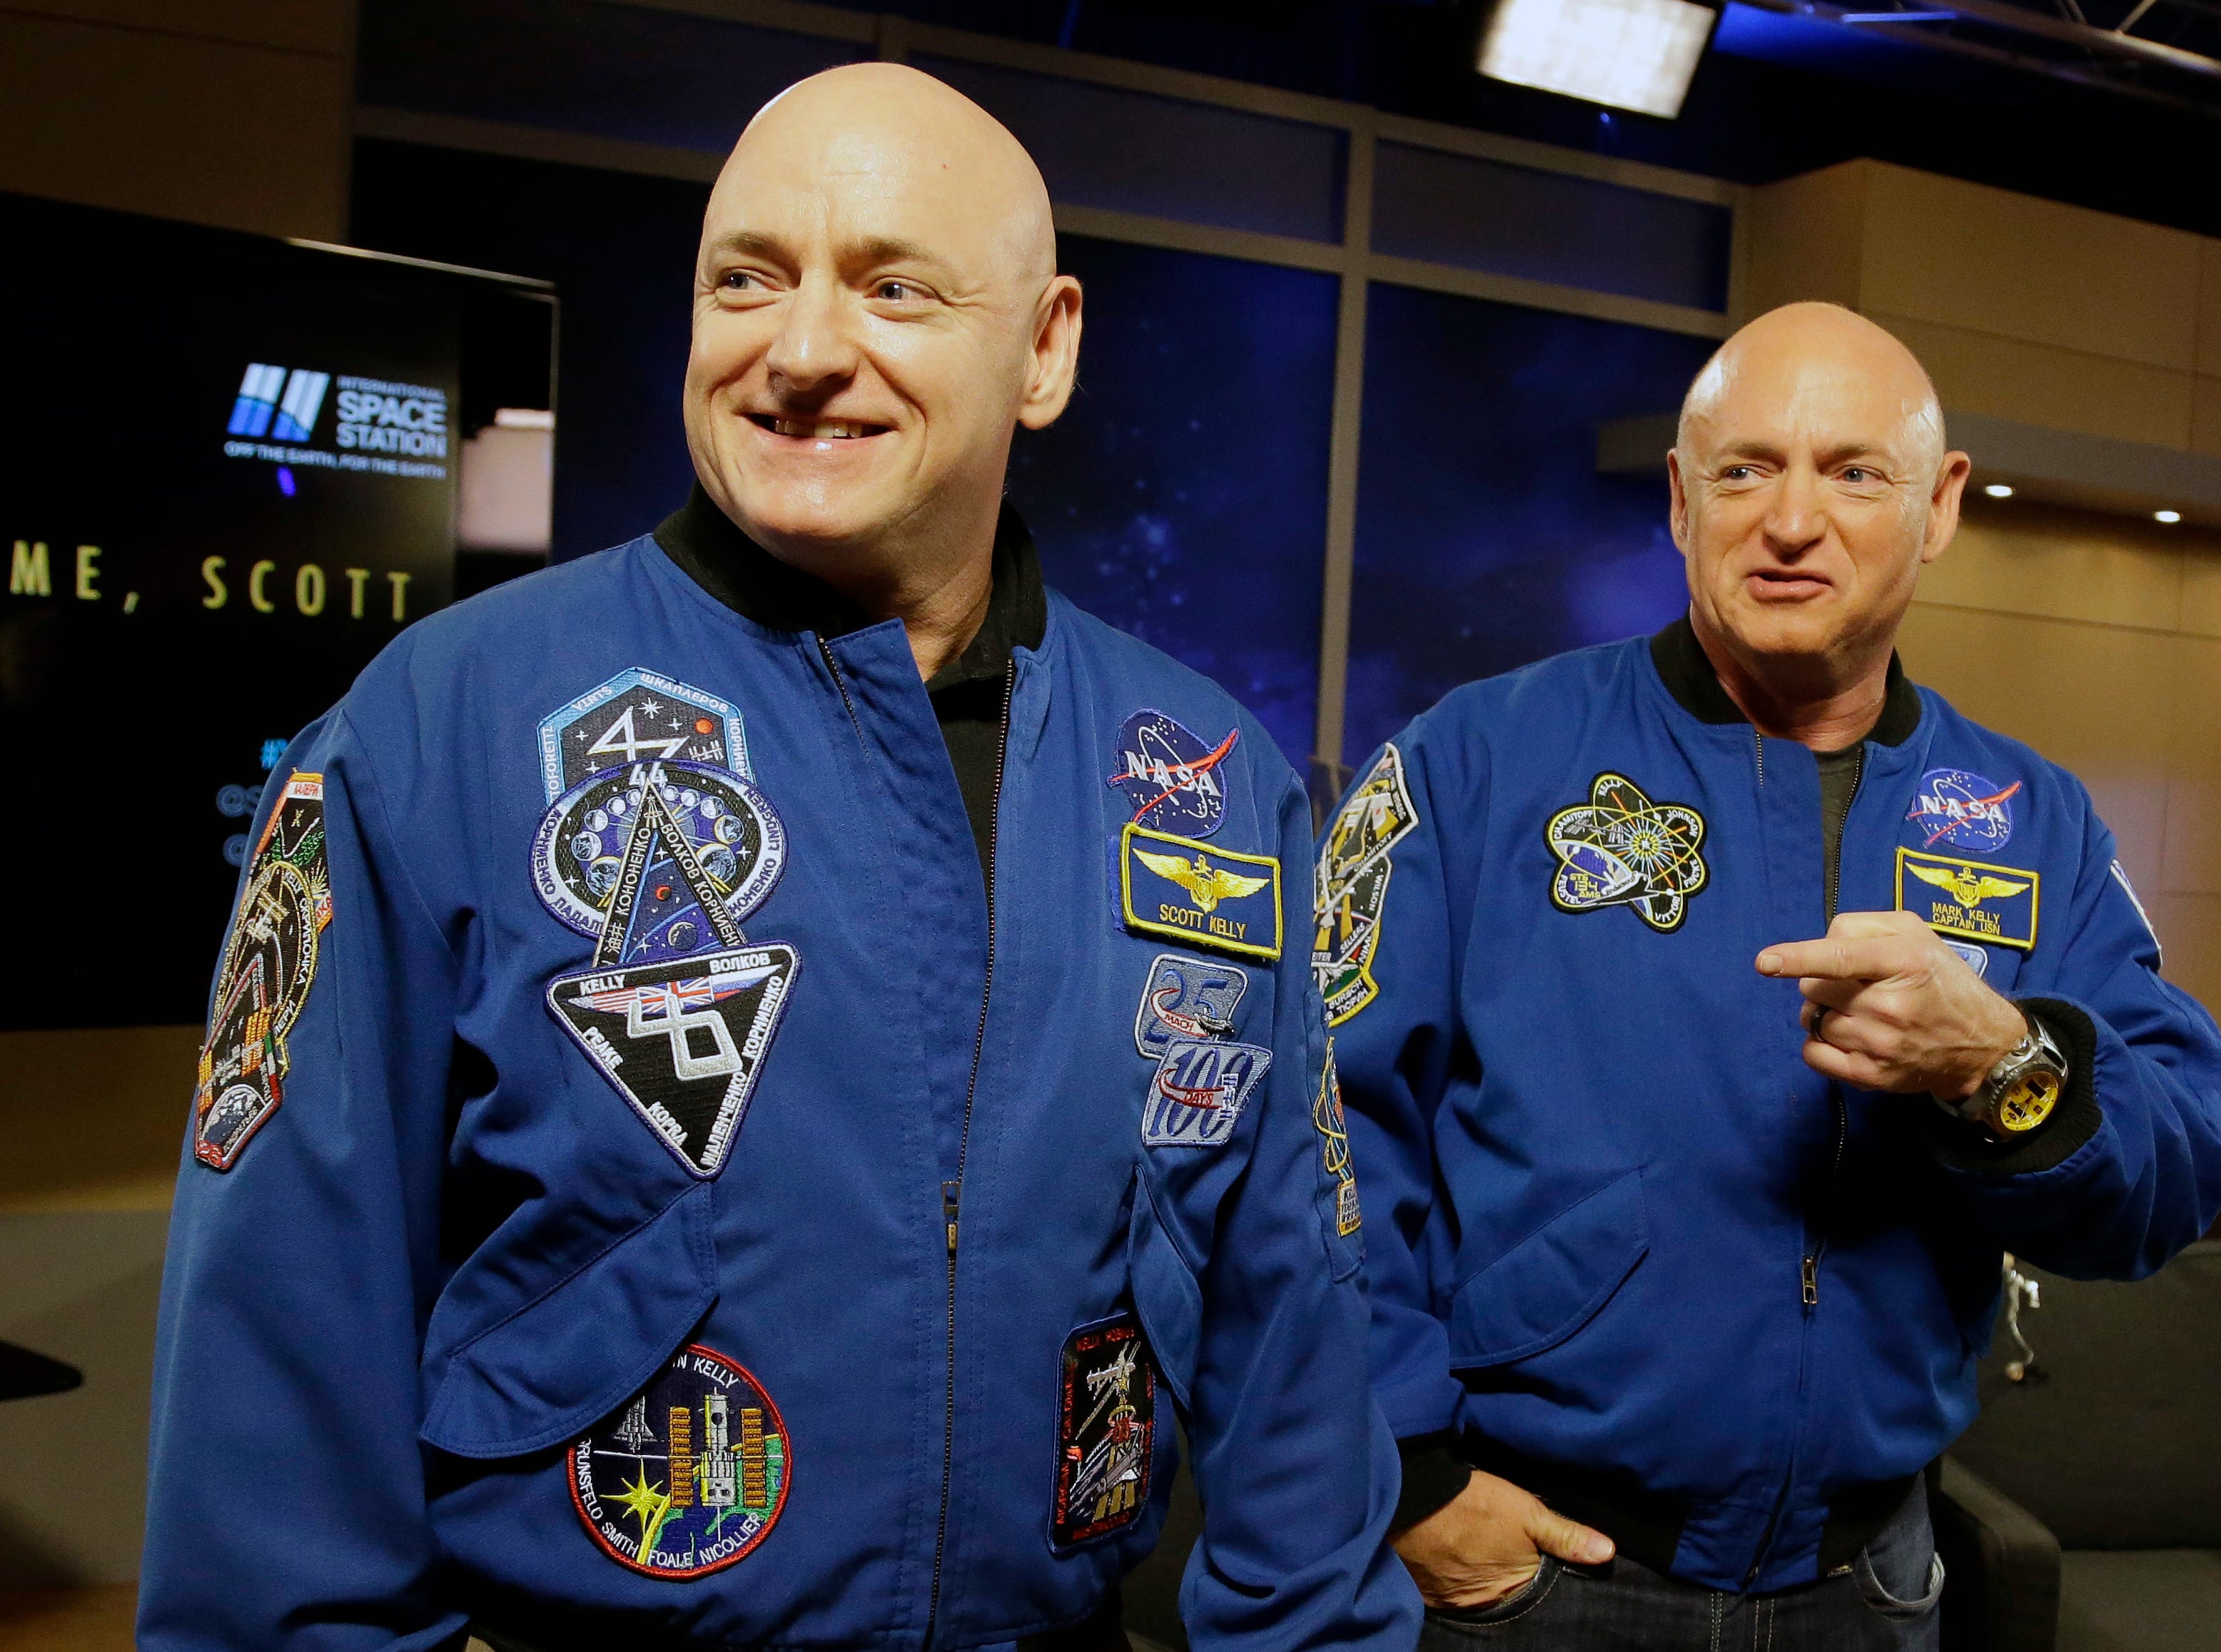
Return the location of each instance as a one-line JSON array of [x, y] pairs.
[[1972, 900], [1204, 896]]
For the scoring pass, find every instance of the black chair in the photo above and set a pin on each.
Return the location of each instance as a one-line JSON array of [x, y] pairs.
[[2086, 1498]]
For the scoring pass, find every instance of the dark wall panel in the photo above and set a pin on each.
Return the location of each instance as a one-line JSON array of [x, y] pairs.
[[616, 71], [621, 251], [1182, 498], [1484, 537]]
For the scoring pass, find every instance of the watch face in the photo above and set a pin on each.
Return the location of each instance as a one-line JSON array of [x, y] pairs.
[[2027, 1101]]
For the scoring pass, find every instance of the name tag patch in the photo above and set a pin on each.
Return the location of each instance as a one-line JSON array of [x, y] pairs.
[[1201, 1087], [1206, 897], [1971, 900]]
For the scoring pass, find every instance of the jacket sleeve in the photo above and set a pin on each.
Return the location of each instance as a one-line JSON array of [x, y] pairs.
[[2128, 1171], [1295, 1468], [1385, 956], [287, 1496]]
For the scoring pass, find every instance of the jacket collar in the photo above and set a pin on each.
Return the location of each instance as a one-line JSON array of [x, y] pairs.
[[1690, 679], [755, 585]]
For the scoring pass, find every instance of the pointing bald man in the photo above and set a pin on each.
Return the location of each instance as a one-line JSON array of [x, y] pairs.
[[757, 1073], [1713, 1009]]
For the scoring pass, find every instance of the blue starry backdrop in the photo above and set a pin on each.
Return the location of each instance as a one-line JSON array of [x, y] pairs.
[[1182, 496], [1486, 538]]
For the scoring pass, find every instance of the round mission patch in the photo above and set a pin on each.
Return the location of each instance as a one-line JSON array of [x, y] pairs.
[[734, 834], [690, 1476]]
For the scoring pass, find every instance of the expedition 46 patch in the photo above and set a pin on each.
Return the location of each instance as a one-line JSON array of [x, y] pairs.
[[269, 965], [691, 1475], [1106, 1431], [683, 1040]]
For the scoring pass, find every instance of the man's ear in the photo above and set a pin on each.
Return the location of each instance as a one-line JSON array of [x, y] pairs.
[[1943, 504], [1677, 516], [1053, 362]]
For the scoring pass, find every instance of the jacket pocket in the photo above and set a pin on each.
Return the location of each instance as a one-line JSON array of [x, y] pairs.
[[1551, 1283], [578, 1351], [1166, 1295]]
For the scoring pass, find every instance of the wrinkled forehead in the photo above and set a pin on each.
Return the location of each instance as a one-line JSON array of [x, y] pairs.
[[834, 188], [1826, 400]]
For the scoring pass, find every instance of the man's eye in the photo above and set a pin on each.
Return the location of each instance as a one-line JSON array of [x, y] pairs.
[[1736, 473], [738, 281], [1858, 475], [894, 292]]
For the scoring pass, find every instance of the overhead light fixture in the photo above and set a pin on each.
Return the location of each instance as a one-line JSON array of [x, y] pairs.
[[1998, 491], [2166, 516], [1635, 54]]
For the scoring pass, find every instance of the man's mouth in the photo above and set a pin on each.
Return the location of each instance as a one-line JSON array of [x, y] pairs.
[[818, 429]]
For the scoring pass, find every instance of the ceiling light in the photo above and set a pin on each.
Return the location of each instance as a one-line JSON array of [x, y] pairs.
[[1637, 54], [2166, 516], [1998, 491]]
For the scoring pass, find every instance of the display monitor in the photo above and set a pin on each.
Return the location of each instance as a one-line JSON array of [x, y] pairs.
[[228, 477]]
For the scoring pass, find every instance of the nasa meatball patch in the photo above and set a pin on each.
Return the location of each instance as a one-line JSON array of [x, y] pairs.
[[690, 1476]]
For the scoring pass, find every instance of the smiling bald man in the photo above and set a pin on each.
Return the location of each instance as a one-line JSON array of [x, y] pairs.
[[756, 1074], [1713, 1008]]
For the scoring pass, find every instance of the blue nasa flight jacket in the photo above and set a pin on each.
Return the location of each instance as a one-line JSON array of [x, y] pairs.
[[1622, 1241], [822, 1271]]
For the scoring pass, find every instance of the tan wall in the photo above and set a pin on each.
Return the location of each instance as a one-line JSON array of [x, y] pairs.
[[228, 112], [2022, 309], [2097, 640]]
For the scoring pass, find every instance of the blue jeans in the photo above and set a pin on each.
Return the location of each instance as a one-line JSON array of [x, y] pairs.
[[1886, 1601]]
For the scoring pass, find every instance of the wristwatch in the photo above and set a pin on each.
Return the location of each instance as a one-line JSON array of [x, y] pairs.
[[2021, 1089]]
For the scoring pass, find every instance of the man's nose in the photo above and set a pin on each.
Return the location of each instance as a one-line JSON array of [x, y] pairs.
[[1798, 517], [816, 342]]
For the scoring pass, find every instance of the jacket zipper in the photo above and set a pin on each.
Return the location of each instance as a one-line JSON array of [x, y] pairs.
[[952, 1192], [1812, 1271]]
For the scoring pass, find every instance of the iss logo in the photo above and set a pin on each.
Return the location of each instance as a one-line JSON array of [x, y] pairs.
[[1169, 776], [274, 402], [691, 1476], [1967, 811]]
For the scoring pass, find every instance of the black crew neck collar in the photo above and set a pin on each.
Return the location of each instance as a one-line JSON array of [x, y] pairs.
[[755, 585], [1688, 675]]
